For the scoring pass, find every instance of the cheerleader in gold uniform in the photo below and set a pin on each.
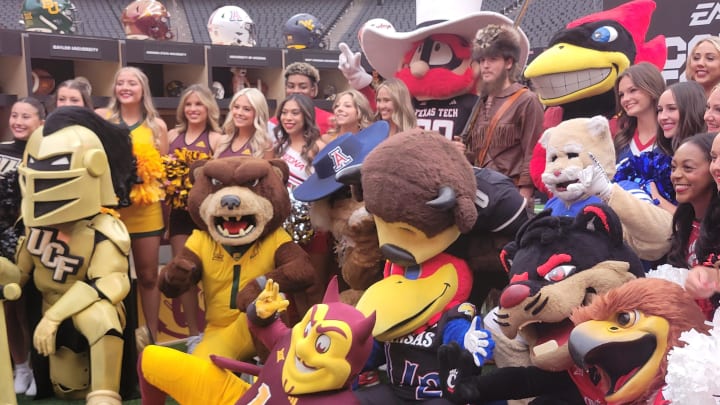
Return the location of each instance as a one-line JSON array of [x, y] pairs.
[[131, 104]]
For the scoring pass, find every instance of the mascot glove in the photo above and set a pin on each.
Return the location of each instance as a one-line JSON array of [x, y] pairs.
[[457, 370], [593, 180], [270, 301], [44, 337], [349, 65], [478, 342]]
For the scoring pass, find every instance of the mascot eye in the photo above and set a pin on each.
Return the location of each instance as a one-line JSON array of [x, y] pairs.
[[627, 319], [253, 183], [559, 273], [215, 182], [441, 54], [307, 330], [412, 272], [605, 34], [573, 155], [322, 344]]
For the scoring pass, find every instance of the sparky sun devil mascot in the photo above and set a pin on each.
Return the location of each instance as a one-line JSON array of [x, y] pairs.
[[313, 362]]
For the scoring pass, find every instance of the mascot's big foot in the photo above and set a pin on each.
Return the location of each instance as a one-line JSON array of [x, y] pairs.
[[103, 397]]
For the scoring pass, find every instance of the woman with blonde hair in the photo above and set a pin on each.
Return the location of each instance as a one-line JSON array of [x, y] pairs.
[[712, 111], [394, 105], [703, 63], [131, 104], [197, 128], [352, 113], [245, 129]]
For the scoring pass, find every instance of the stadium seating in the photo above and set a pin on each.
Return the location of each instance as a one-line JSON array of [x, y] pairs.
[[101, 18]]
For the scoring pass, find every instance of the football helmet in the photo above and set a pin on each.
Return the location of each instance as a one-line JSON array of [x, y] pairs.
[[231, 25], [146, 19], [51, 16], [174, 88], [303, 31], [42, 82], [218, 90]]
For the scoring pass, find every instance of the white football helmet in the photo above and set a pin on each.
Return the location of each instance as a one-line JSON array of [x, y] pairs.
[[231, 25]]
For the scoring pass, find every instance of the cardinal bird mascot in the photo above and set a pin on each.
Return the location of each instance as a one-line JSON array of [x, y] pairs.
[[594, 49]]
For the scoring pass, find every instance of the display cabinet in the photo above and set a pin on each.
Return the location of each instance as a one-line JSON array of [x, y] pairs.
[[165, 62], [66, 57], [261, 68]]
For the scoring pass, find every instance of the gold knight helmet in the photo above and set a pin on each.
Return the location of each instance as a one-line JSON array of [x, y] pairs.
[[73, 166]]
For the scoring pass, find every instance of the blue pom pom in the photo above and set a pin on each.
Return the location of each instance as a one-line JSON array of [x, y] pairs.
[[646, 168]]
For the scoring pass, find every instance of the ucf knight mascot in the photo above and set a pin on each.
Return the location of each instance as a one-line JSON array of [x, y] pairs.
[[75, 250]]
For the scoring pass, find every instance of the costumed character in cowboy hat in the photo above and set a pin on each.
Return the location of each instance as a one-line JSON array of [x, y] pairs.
[[594, 50], [434, 60]]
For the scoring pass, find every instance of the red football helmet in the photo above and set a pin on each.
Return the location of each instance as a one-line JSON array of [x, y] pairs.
[[146, 19]]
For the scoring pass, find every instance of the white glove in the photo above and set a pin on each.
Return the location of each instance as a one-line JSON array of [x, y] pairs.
[[349, 65], [478, 342], [593, 180]]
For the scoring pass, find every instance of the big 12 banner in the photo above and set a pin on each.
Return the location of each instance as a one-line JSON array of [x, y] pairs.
[[683, 22]]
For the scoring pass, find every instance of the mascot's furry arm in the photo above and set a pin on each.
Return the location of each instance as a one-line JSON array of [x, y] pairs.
[[363, 262], [183, 271], [647, 228], [356, 240]]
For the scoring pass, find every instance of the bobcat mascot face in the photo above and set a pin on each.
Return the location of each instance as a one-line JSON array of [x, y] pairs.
[[557, 264], [569, 146]]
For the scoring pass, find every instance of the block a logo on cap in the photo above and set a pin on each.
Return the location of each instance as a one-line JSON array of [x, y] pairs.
[[339, 158]]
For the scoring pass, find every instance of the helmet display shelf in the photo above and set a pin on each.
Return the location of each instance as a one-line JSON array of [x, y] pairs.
[[263, 68], [166, 64]]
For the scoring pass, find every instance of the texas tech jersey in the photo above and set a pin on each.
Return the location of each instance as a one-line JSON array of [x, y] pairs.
[[445, 116]]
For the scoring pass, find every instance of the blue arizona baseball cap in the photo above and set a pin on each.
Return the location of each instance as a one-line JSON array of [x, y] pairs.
[[344, 151]]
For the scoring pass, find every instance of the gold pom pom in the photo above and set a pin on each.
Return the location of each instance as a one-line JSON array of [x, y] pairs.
[[152, 173], [177, 171]]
